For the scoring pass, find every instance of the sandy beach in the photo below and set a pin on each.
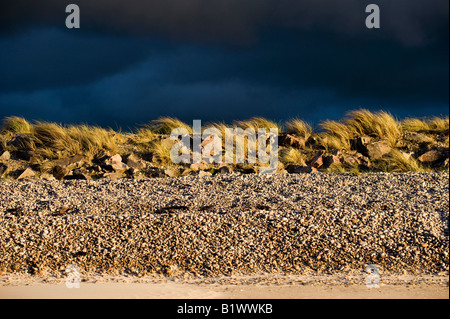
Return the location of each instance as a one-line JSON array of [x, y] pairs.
[[253, 287]]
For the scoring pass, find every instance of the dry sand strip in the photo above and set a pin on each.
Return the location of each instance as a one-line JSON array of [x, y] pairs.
[[189, 291]]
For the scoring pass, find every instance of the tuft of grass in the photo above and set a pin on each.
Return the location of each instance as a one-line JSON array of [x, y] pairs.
[[299, 128], [161, 151], [219, 126], [54, 137], [397, 161], [165, 125], [53, 140], [415, 125], [381, 125], [16, 125], [257, 123], [292, 156], [439, 124], [337, 135], [433, 124], [90, 140]]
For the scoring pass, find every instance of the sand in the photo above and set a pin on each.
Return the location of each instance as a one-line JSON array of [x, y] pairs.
[[435, 287]]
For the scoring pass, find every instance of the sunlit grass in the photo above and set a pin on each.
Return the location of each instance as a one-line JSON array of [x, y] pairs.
[[257, 123], [292, 156], [398, 161], [299, 128], [165, 125], [433, 124], [15, 125]]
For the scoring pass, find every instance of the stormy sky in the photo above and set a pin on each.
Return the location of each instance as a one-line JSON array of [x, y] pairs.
[[221, 60]]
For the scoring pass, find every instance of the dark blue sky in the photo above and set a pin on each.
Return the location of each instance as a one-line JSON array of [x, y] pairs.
[[134, 61]]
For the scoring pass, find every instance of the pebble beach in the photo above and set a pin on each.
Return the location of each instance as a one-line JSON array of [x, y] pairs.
[[227, 225]]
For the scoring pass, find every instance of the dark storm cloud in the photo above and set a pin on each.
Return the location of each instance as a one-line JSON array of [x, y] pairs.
[[42, 58], [232, 20], [133, 61]]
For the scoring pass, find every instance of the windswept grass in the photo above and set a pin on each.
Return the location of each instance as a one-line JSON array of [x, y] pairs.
[[397, 161], [292, 156], [380, 125], [92, 139], [15, 125], [165, 125], [257, 123], [51, 140], [434, 124], [161, 151], [299, 128], [337, 135], [220, 126]]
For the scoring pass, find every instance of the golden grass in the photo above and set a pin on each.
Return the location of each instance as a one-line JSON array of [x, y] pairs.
[[92, 139], [161, 151], [165, 125], [337, 135], [52, 140], [257, 123], [292, 156], [439, 124], [433, 124], [380, 125], [299, 128], [15, 125], [397, 161], [220, 126]]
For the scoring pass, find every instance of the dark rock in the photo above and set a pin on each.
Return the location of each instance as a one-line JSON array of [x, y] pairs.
[[299, 169], [359, 144], [3, 169], [317, 161], [59, 172], [312, 141], [78, 176], [432, 158], [288, 140], [148, 157], [72, 162], [25, 155], [95, 168], [224, 170], [155, 172], [329, 161], [247, 170], [101, 157]]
